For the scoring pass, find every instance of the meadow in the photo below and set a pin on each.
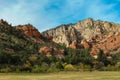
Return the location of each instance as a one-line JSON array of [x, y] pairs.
[[62, 76]]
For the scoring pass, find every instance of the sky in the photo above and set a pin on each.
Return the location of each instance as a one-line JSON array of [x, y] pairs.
[[47, 14]]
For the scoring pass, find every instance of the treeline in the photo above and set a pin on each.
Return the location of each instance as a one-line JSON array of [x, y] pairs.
[[20, 54], [74, 60]]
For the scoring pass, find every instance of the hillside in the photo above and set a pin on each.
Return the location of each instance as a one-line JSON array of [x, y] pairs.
[[23, 45], [88, 33], [68, 47]]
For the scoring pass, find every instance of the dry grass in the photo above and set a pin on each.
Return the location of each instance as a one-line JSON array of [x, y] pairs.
[[63, 76]]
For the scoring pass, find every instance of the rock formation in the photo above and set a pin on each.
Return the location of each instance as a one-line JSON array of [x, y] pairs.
[[88, 33], [49, 51], [31, 32]]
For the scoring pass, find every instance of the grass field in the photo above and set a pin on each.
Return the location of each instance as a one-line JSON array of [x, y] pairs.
[[63, 76]]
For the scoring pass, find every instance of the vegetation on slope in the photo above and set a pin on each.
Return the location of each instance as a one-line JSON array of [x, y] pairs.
[[18, 53]]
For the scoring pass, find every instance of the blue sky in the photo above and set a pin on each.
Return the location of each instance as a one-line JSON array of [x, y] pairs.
[[46, 14]]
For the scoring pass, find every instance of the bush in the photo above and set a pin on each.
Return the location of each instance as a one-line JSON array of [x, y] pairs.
[[44, 67], [17, 70], [40, 68], [109, 68], [5, 70], [59, 65], [53, 70], [36, 69], [69, 67], [86, 67], [99, 66], [118, 66]]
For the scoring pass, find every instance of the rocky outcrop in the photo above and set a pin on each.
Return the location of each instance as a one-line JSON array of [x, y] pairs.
[[49, 51], [31, 32], [73, 45], [86, 45], [111, 45], [88, 33]]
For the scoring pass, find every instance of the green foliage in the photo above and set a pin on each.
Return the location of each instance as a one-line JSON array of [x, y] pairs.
[[36, 69], [102, 58], [69, 67], [59, 65], [53, 68], [5, 70], [75, 56], [115, 58], [109, 68], [19, 53], [86, 67], [44, 67]]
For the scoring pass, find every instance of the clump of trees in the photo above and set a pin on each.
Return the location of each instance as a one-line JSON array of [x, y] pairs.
[[74, 60]]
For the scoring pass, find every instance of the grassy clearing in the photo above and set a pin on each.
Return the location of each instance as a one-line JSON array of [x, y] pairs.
[[63, 76]]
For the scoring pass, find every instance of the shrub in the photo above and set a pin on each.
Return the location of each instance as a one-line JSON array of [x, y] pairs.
[[69, 67], [109, 68], [98, 66], [36, 69], [44, 67], [118, 66], [86, 67], [5, 70], [53, 70], [59, 65]]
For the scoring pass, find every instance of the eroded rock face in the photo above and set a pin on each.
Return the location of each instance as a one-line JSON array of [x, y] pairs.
[[31, 32], [73, 45], [48, 51], [88, 33], [86, 45], [111, 45]]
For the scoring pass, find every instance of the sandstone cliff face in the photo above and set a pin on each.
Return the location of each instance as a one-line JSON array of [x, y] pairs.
[[89, 34], [31, 32]]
